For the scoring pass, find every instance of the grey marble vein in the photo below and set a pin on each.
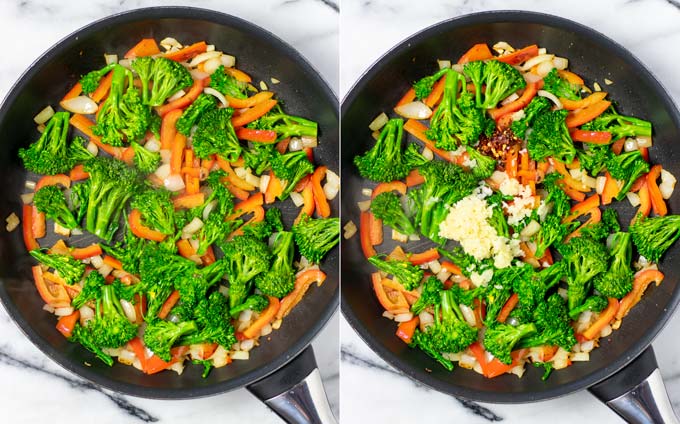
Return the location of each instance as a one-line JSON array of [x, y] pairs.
[[353, 358], [9, 359]]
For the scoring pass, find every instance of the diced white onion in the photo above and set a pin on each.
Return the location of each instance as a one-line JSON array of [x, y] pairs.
[[588, 180], [576, 173], [550, 96], [153, 145], [193, 226], [174, 182], [630, 145], [297, 199], [399, 237], [129, 310], [295, 144], [644, 141], [467, 361], [414, 110], [211, 65], [80, 104], [96, 261], [599, 184], [247, 345], [169, 42], [252, 179], [331, 190], [666, 188], [277, 324], [219, 96], [560, 63], [332, 177], [163, 171], [536, 60], [542, 50], [309, 142], [27, 198], [44, 115], [30, 185], [511, 98], [388, 315], [403, 317], [198, 75], [531, 78], [443, 275], [274, 80], [428, 154], [125, 63], [240, 355], [62, 231], [443, 64], [426, 319], [633, 198], [263, 86], [208, 208], [200, 58], [76, 232], [86, 314], [667, 177], [468, 314], [110, 58], [126, 357], [264, 182], [92, 148], [606, 331], [503, 46], [458, 67], [580, 357], [364, 205], [587, 346], [350, 229], [241, 172], [228, 61], [177, 95], [105, 270], [434, 266], [366, 191], [377, 123], [266, 330], [532, 228], [62, 312], [12, 222], [48, 308]]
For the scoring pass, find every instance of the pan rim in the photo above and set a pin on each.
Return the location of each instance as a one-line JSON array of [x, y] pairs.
[[157, 13], [500, 16]]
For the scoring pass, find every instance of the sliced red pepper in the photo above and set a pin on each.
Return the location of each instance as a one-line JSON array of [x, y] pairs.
[[259, 136]]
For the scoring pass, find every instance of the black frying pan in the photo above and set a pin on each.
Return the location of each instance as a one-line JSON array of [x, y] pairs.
[[637, 92], [260, 54]]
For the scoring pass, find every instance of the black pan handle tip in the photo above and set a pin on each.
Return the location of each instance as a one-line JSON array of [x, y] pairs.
[[637, 392], [295, 392]]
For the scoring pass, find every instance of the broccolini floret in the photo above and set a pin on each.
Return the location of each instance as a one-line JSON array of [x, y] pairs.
[[216, 135], [246, 257], [316, 237], [192, 114], [51, 201], [68, 268], [90, 81], [653, 236], [550, 138], [498, 78], [388, 208], [501, 339], [404, 272], [49, 155], [619, 126], [560, 87], [160, 336], [627, 166], [291, 167], [279, 280], [537, 106], [585, 259]]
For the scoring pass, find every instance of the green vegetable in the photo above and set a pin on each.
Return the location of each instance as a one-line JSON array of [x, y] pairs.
[[560, 87], [429, 296], [653, 236], [192, 114], [216, 135], [90, 81], [246, 257], [279, 280], [537, 106], [316, 237], [627, 166], [386, 161], [145, 160], [51, 201], [619, 126], [593, 303], [499, 80], [285, 125], [110, 327], [424, 86], [68, 268], [167, 75], [291, 167], [585, 259], [550, 137], [404, 272], [501, 339], [255, 302], [485, 165], [160, 336], [387, 207], [49, 155], [227, 85], [157, 209]]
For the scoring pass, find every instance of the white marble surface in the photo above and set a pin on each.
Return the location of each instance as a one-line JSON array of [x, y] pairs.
[[43, 391], [371, 390]]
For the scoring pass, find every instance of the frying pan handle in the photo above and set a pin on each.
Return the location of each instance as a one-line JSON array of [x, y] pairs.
[[637, 392], [295, 392]]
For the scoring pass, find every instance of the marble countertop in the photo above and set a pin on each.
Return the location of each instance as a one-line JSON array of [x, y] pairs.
[[35, 388], [372, 391]]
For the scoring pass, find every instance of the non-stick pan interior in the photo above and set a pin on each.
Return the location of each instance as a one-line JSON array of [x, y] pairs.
[[590, 55], [258, 53]]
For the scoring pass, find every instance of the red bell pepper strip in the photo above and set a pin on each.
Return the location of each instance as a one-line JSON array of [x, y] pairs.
[[406, 329], [258, 136], [424, 257], [365, 236], [141, 230], [27, 226], [66, 324], [658, 203], [477, 52], [519, 56], [146, 47]]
